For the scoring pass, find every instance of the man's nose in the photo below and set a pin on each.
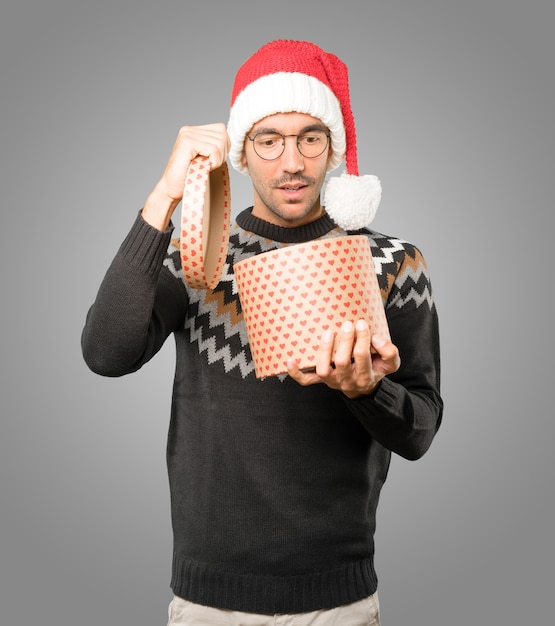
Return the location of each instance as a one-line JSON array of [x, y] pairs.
[[291, 159]]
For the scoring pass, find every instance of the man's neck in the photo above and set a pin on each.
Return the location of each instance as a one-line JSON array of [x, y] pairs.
[[286, 234]]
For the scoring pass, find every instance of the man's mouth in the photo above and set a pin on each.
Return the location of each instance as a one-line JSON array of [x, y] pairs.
[[293, 184], [292, 187]]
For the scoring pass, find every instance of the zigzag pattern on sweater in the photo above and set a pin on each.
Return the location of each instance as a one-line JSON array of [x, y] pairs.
[[402, 272], [215, 321]]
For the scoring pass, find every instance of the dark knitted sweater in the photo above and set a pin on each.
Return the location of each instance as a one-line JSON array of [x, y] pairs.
[[274, 486]]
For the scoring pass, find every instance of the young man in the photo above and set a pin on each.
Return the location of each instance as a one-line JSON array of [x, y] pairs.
[[275, 483]]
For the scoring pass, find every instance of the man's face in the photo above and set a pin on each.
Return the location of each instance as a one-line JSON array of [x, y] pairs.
[[287, 189]]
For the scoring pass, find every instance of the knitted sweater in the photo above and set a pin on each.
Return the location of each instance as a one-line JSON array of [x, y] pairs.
[[274, 486]]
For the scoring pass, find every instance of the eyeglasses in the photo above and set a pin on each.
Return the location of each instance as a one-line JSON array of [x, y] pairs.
[[271, 145]]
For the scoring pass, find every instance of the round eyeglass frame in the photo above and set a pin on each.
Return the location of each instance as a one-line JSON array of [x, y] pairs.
[[284, 137]]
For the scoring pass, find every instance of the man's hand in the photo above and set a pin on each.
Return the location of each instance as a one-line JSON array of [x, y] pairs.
[[211, 141], [345, 362]]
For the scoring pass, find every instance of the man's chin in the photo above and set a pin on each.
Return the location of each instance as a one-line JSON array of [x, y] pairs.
[[295, 214]]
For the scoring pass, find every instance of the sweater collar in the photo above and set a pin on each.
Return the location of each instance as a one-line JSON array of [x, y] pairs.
[[296, 234]]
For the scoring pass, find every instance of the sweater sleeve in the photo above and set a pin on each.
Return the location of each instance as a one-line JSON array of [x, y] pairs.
[[405, 412], [139, 303]]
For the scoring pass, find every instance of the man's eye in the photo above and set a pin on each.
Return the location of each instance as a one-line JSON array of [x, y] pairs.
[[309, 140], [268, 141]]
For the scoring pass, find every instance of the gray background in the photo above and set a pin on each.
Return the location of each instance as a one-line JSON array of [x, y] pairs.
[[454, 108]]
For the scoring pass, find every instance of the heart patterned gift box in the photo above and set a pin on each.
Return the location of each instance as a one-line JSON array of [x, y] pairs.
[[290, 296]]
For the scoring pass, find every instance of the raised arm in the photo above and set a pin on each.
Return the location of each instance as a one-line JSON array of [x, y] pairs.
[[139, 303]]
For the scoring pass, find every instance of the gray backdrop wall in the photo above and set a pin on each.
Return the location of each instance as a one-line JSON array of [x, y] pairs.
[[454, 108]]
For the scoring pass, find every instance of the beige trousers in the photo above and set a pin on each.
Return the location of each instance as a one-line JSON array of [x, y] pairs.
[[363, 613]]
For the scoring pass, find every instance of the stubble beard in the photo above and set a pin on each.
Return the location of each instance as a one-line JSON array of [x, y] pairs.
[[281, 209]]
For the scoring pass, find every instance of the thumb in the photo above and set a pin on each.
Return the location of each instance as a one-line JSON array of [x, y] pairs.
[[386, 359]]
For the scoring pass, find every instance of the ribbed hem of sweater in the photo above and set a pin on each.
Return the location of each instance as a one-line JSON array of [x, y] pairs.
[[295, 234], [269, 595], [145, 247]]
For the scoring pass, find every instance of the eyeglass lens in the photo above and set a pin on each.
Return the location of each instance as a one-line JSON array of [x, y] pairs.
[[271, 146]]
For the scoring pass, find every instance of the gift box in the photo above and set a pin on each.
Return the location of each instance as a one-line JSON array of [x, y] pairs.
[[290, 296], [205, 220]]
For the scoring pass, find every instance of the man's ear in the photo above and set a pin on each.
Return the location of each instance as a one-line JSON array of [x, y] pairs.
[[330, 153], [244, 159]]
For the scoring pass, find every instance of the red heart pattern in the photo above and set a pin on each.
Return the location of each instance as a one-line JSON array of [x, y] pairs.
[[205, 220], [292, 295]]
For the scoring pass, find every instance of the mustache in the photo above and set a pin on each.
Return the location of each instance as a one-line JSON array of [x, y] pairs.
[[297, 178]]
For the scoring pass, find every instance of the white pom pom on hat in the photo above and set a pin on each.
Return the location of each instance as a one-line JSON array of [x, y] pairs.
[[352, 201], [297, 76]]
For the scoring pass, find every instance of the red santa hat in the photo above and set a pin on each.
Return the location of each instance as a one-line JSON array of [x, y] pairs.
[[297, 76]]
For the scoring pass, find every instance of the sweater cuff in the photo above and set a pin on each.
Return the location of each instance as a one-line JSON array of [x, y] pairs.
[[145, 247], [385, 396]]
